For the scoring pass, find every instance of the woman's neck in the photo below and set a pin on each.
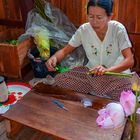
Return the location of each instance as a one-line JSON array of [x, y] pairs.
[[101, 34]]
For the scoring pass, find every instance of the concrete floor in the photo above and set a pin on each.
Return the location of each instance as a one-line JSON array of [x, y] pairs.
[[3, 134]]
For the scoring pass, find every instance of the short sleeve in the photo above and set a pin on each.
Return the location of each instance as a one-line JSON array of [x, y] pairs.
[[75, 41], [123, 39]]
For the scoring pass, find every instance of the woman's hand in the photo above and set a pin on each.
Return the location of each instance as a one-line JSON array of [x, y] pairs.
[[99, 70], [58, 57], [51, 63]]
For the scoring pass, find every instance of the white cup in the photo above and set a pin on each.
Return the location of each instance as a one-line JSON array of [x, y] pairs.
[[3, 90]]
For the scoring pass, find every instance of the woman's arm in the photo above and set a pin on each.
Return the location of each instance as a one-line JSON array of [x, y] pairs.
[[127, 63], [58, 57]]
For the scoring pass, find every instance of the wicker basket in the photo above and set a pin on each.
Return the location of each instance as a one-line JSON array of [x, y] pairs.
[[13, 58]]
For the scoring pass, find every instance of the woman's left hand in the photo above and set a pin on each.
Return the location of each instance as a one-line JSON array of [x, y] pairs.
[[99, 70]]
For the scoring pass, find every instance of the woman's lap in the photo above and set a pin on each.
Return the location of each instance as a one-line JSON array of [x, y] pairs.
[[78, 80]]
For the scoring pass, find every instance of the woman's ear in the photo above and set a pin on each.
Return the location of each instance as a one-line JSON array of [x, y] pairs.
[[111, 16]]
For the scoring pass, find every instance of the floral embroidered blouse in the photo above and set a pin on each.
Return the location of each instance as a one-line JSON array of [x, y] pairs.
[[106, 52]]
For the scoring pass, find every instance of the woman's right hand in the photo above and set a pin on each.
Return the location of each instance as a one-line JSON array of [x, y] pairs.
[[51, 63], [58, 57], [99, 70]]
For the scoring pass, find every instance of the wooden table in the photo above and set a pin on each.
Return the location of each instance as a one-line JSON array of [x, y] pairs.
[[78, 123]]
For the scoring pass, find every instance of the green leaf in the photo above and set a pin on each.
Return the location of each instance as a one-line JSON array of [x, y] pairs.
[[115, 74]]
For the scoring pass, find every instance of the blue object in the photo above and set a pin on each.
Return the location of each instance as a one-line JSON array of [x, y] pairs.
[[59, 104]]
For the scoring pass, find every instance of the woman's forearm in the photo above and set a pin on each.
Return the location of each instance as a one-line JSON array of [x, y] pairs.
[[61, 54], [126, 64]]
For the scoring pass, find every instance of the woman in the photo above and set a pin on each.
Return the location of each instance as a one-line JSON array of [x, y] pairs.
[[107, 48]]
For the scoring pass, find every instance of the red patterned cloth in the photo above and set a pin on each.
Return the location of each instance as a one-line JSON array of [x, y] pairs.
[[105, 85]]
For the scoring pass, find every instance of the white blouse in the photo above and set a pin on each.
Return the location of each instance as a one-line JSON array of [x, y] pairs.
[[106, 52]]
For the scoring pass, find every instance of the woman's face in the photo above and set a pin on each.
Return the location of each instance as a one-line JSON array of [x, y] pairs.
[[98, 18]]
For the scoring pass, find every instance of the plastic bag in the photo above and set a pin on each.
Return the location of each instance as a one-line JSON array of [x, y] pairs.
[[42, 41], [60, 32]]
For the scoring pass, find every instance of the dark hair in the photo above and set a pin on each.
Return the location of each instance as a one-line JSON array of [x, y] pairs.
[[105, 4]]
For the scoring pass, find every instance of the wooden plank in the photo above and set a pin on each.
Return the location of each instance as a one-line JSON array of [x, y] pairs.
[[73, 9], [70, 95], [10, 14], [25, 7], [135, 38], [31, 134], [6, 10], [11, 23], [14, 11], [2, 13], [42, 114], [129, 20], [137, 30], [115, 10], [57, 3], [77, 11], [83, 12]]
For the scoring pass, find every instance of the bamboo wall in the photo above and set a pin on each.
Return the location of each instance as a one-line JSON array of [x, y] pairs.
[[13, 12]]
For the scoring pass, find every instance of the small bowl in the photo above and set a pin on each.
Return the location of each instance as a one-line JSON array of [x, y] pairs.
[[86, 102]]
